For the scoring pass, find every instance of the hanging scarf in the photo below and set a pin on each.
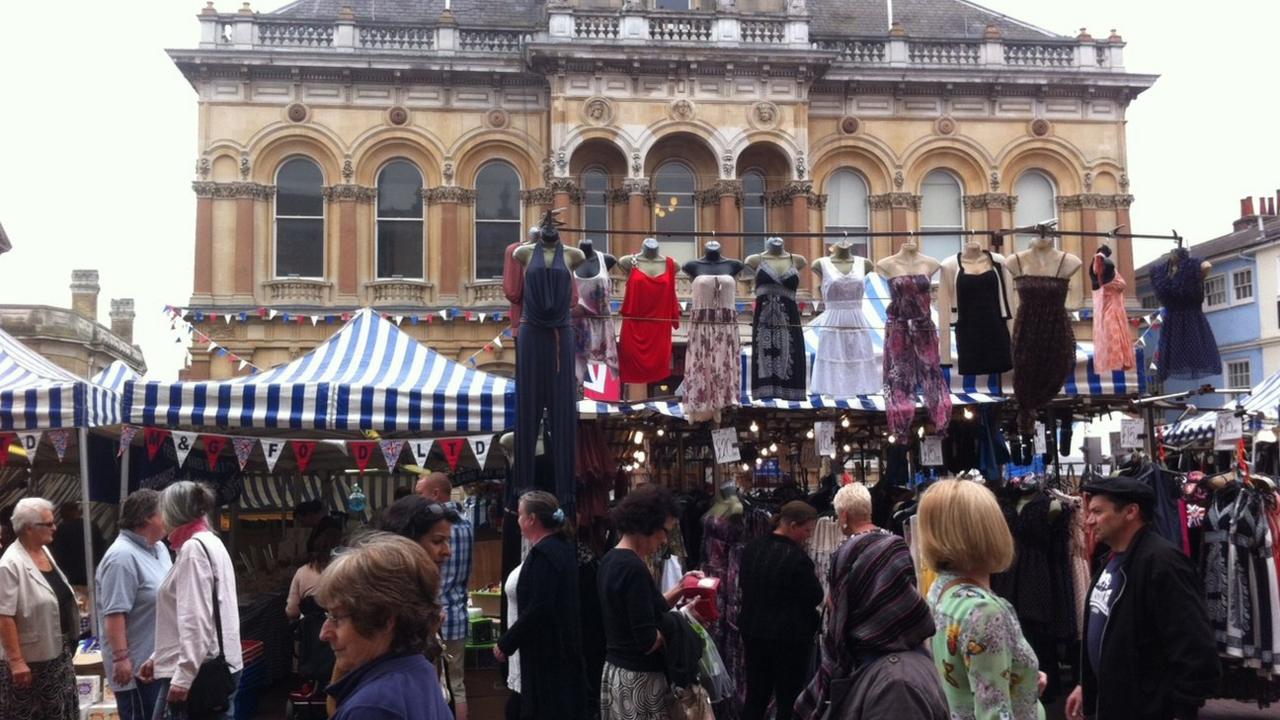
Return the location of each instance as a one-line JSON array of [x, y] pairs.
[[183, 533]]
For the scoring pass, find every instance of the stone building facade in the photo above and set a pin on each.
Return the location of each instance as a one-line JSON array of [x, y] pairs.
[[356, 153]]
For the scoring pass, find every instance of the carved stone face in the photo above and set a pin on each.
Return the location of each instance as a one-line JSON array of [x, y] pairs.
[[682, 110]]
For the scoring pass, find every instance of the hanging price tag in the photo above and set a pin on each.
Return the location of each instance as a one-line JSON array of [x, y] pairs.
[[931, 451], [1227, 430], [1131, 433], [1041, 442], [725, 441], [824, 437]]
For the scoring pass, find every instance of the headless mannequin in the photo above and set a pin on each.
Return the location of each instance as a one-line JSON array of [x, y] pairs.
[[712, 263], [1044, 260], [1181, 252], [649, 260], [1108, 266], [590, 266], [548, 242], [975, 258], [908, 261], [776, 257], [843, 259], [726, 503]]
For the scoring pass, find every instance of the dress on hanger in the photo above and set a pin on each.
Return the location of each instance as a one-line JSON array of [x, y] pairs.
[[1112, 341], [981, 320], [712, 366], [594, 325], [1187, 348], [650, 312], [1044, 346], [911, 356], [778, 360], [845, 365]]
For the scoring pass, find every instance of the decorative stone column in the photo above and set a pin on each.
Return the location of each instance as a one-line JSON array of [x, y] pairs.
[[566, 195], [539, 200], [798, 195], [899, 204], [245, 194], [449, 198], [343, 199], [639, 199], [202, 284], [726, 195], [999, 211], [1088, 205]]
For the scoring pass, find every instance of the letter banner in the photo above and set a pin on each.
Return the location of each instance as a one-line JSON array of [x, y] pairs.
[[184, 443], [362, 452], [452, 448], [273, 448], [126, 438], [391, 450], [421, 450], [155, 438], [303, 451], [60, 438], [213, 445], [30, 441], [244, 448]]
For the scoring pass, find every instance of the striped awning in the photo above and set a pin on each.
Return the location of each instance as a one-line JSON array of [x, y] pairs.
[[35, 394], [266, 492], [114, 376], [1262, 403], [369, 376]]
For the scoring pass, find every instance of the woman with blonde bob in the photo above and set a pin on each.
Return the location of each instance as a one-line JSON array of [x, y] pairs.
[[987, 667]]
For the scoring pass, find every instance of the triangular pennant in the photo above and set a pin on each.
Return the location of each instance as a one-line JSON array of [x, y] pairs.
[[452, 448], [155, 438], [213, 445], [244, 448], [6, 439], [362, 452], [226, 319], [272, 448], [126, 438], [421, 449], [398, 318], [60, 439], [315, 320], [30, 441], [184, 443], [480, 447], [482, 317], [391, 452], [271, 314], [303, 451]]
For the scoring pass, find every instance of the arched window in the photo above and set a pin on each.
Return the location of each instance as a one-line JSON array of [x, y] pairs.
[[674, 187], [847, 208], [595, 206], [755, 211], [299, 219], [671, 4], [400, 221], [941, 208], [497, 216], [1035, 204]]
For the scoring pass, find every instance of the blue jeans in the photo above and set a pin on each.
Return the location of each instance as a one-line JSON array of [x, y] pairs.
[[167, 711], [138, 703]]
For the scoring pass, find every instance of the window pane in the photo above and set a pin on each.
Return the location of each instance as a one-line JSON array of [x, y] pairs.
[[847, 200], [859, 246], [1242, 282], [755, 216], [300, 248], [595, 179], [674, 209], [940, 246], [671, 4], [492, 239], [941, 201], [1035, 204], [399, 191], [497, 193], [597, 217], [298, 189], [674, 178], [400, 248], [1215, 291]]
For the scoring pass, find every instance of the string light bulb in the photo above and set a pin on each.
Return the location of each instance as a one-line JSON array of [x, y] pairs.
[[893, 438], [661, 432], [754, 427], [640, 456], [848, 447], [773, 447], [759, 462], [968, 414], [809, 434], [746, 467], [920, 431], [638, 438], [844, 422]]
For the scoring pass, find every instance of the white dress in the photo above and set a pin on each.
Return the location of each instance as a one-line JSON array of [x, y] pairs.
[[845, 364], [513, 662]]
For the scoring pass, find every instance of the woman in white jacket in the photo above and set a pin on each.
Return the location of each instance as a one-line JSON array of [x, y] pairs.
[[186, 635]]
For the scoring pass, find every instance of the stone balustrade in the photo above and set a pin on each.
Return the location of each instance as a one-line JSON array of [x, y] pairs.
[[299, 291]]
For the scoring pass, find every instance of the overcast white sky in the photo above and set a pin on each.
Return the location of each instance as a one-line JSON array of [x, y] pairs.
[[98, 136]]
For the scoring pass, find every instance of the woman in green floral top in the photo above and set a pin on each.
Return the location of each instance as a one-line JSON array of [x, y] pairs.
[[988, 670]]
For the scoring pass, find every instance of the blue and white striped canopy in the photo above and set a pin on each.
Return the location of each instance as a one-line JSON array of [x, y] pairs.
[[114, 376], [35, 394], [1263, 401], [369, 376]]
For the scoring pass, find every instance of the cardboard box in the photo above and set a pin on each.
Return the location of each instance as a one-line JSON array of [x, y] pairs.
[[490, 603], [103, 711], [88, 689]]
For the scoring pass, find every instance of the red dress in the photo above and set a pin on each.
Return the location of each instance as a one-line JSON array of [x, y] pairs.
[[644, 349]]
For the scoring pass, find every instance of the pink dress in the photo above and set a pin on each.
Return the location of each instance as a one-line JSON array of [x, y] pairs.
[[1112, 341]]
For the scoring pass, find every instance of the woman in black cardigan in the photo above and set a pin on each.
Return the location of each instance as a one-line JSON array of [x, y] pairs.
[[553, 682]]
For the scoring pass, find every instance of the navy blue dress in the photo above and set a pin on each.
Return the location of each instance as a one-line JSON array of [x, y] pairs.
[[1187, 347]]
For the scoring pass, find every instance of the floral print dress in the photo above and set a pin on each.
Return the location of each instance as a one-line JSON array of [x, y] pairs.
[[713, 366], [988, 670]]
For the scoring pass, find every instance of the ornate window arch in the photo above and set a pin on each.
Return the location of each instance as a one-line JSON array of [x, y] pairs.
[[1036, 195], [675, 209], [299, 219], [755, 210], [941, 208], [595, 206], [400, 226], [497, 216], [848, 207]]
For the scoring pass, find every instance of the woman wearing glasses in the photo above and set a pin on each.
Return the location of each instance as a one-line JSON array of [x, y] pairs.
[[384, 611], [39, 622]]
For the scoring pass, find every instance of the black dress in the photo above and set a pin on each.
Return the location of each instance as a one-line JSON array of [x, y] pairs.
[[1188, 349], [777, 341], [981, 321]]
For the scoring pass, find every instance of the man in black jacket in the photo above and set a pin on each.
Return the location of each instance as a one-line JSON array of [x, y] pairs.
[[1149, 652]]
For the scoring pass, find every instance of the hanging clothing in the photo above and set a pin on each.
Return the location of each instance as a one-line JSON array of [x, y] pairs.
[[593, 324], [513, 285], [1112, 341], [545, 375], [845, 364], [911, 357], [650, 312], [1235, 578], [1044, 351], [713, 363], [981, 318], [1187, 349], [778, 360]]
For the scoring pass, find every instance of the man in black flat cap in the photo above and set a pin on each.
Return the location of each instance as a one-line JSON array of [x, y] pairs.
[[1149, 652]]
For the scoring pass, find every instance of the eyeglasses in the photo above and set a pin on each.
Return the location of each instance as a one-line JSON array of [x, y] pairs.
[[51, 525], [335, 618]]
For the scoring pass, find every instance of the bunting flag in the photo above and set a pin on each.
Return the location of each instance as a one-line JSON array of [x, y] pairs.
[[184, 443], [213, 445], [60, 439], [480, 447], [244, 448], [272, 449], [30, 441], [421, 449], [6, 439], [303, 451], [452, 449], [362, 452], [126, 438], [391, 450], [154, 438]]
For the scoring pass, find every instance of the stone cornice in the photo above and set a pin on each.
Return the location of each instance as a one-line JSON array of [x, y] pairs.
[[1001, 201], [722, 188], [566, 185], [1094, 201], [356, 193], [449, 194], [538, 196], [617, 196], [232, 190], [791, 191], [894, 201]]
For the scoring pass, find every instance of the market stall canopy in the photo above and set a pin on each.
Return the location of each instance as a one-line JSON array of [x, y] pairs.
[[1262, 403], [369, 376], [35, 394]]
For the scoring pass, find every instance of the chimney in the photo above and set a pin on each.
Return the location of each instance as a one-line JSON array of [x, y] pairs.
[[1271, 206], [1247, 216], [84, 293], [122, 318]]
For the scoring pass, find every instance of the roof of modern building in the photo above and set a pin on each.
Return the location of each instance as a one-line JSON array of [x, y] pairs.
[[1233, 242]]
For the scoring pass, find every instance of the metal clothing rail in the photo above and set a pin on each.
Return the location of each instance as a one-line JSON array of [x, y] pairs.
[[1042, 229]]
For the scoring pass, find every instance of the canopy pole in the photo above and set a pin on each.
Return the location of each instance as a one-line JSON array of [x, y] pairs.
[[87, 520], [124, 475]]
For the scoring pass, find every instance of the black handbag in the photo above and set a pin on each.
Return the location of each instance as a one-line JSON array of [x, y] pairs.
[[210, 693]]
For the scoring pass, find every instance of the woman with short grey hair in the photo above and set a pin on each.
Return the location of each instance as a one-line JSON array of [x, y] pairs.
[[39, 622], [186, 632], [853, 508]]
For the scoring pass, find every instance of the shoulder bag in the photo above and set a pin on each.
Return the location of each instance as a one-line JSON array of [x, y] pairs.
[[210, 693]]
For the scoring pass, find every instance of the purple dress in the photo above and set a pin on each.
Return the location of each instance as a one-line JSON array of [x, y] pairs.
[[1187, 348]]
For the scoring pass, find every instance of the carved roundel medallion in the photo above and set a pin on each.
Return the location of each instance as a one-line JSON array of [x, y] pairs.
[[850, 125], [297, 112], [1041, 127], [763, 116], [597, 111], [497, 119], [946, 125], [398, 115], [683, 110]]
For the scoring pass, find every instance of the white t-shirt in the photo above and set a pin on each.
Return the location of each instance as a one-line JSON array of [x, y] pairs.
[[185, 635], [513, 662]]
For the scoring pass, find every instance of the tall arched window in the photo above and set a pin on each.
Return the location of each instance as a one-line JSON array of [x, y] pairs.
[[299, 219], [674, 187], [1035, 204], [941, 208], [847, 208], [497, 216], [755, 211], [400, 221], [595, 206]]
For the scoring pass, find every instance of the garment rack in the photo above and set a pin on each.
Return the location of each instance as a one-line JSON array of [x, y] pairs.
[[1043, 229]]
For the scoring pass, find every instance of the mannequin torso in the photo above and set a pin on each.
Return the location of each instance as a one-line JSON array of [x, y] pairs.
[[776, 257], [843, 260], [712, 263], [573, 257], [648, 260], [590, 266], [1103, 269], [1043, 260], [975, 259], [907, 261]]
